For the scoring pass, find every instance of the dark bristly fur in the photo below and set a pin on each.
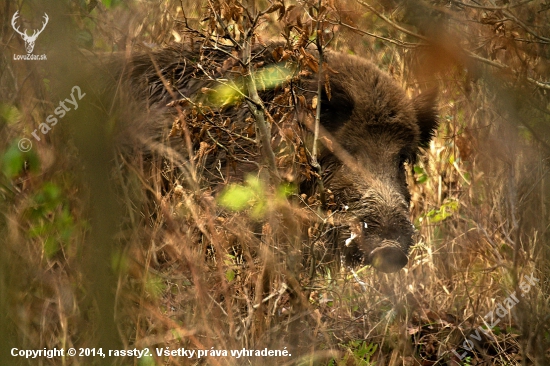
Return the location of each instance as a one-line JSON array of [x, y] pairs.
[[367, 114]]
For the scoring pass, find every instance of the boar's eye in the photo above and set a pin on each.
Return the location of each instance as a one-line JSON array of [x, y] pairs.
[[403, 158]]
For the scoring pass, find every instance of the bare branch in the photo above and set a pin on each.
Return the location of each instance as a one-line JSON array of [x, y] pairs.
[[258, 111], [392, 23], [509, 6], [540, 84], [228, 54], [224, 26], [509, 15], [525, 27], [319, 44], [543, 85], [186, 23], [390, 40]]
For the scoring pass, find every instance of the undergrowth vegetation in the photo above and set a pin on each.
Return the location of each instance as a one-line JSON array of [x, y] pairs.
[[106, 243]]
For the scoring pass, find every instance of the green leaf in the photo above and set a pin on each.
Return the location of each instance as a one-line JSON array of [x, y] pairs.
[[422, 179], [119, 262], [227, 94], [50, 219], [230, 275], [46, 84], [422, 176], [259, 209], [236, 197], [255, 183], [285, 190], [9, 113], [233, 91], [147, 360], [51, 247], [47, 199], [272, 76], [240, 197], [446, 210], [155, 286], [13, 162]]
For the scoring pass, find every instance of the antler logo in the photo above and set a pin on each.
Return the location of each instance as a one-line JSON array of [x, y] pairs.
[[29, 40]]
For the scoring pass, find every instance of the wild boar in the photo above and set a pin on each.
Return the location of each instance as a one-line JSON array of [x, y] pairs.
[[363, 111]]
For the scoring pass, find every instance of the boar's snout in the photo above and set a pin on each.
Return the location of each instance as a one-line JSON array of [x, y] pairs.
[[378, 231], [388, 257]]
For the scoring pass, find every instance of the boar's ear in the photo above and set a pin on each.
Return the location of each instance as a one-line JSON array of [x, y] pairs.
[[426, 115], [337, 110]]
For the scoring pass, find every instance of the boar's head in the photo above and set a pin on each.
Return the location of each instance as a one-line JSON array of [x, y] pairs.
[[380, 129]]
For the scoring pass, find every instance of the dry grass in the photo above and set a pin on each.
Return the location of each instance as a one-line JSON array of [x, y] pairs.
[[103, 249]]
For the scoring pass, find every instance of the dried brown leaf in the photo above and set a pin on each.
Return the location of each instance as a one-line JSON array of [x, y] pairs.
[[176, 128], [327, 86]]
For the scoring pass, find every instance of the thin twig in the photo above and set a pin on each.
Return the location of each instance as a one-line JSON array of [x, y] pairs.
[[392, 23], [319, 44], [509, 6], [386, 39], [220, 21], [256, 106], [525, 27]]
